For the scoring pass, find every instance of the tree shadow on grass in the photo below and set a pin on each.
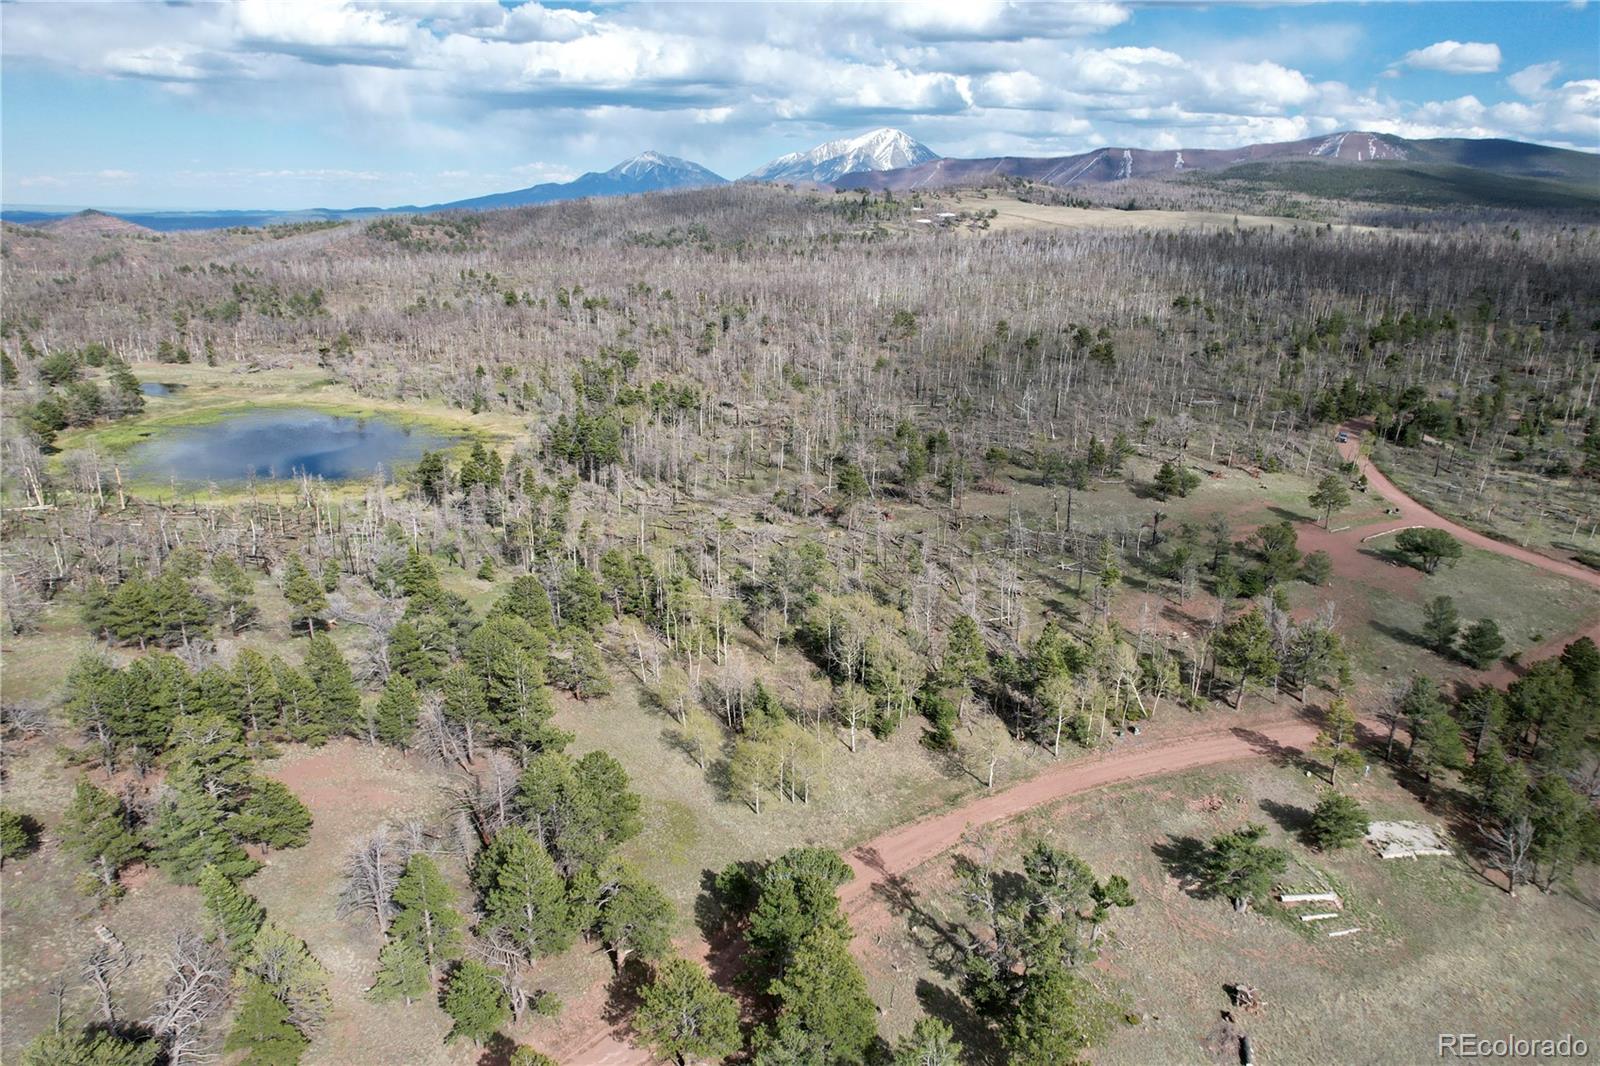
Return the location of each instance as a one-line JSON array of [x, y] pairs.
[[1184, 859], [1291, 819], [1280, 753], [1401, 636], [1283, 514], [625, 991], [1393, 556], [497, 1051], [943, 942], [975, 1034]]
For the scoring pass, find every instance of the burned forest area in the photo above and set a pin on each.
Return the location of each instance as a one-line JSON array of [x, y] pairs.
[[786, 626]]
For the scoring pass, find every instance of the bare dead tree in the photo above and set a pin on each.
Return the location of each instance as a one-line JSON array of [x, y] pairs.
[[438, 738], [488, 799], [1510, 840], [370, 872], [510, 964], [196, 991], [108, 961]]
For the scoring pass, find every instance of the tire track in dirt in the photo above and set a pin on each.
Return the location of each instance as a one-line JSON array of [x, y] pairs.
[[881, 864]]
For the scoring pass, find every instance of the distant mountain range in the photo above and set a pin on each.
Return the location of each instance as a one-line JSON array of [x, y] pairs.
[[1119, 164], [889, 159], [647, 172], [879, 150]]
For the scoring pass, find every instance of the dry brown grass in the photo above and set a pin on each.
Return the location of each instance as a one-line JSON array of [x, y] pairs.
[[1441, 950]]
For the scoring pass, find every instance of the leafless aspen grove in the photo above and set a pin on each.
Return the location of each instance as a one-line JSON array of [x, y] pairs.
[[804, 479]]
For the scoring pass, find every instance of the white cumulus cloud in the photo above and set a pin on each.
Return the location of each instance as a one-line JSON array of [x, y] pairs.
[[1455, 57]]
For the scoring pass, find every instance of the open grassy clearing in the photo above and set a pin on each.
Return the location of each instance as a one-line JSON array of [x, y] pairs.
[[353, 790], [1530, 606], [1015, 214], [1438, 942], [692, 828]]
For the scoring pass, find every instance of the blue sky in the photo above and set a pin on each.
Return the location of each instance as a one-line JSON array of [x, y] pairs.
[[286, 104]]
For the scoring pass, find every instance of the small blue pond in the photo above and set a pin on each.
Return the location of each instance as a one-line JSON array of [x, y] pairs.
[[158, 388], [281, 443]]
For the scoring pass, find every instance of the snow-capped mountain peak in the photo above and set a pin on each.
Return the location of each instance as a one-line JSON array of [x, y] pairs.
[[880, 149], [657, 164]]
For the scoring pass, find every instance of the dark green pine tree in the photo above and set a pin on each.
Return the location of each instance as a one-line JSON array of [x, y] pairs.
[[95, 830], [307, 601], [636, 919], [965, 655], [476, 1003], [93, 1048], [209, 756], [683, 1016], [336, 687], [419, 578], [216, 694], [190, 833], [179, 610], [262, 1028], [526, 598], [519, 702], [91, 706], [474, 469], [582, 601], [524, 895], [1482, 643], [233, 916], [19, 834], [395, 718], [582, 669], [236, 587], [1053, 1023], [1337, 822], [142, 705], [272, 816], [129, 614], [301, 715], [431, 477], [409, 656], [402, 974], [465, 705], [425, 913], [823, 997], [255, 692]]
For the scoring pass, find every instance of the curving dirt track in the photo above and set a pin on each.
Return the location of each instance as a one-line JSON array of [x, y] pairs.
[[1413, 513], [881, 863]]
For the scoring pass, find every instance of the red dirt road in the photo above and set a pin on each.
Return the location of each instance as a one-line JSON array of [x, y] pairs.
[[1413, 513], [882, 860]]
